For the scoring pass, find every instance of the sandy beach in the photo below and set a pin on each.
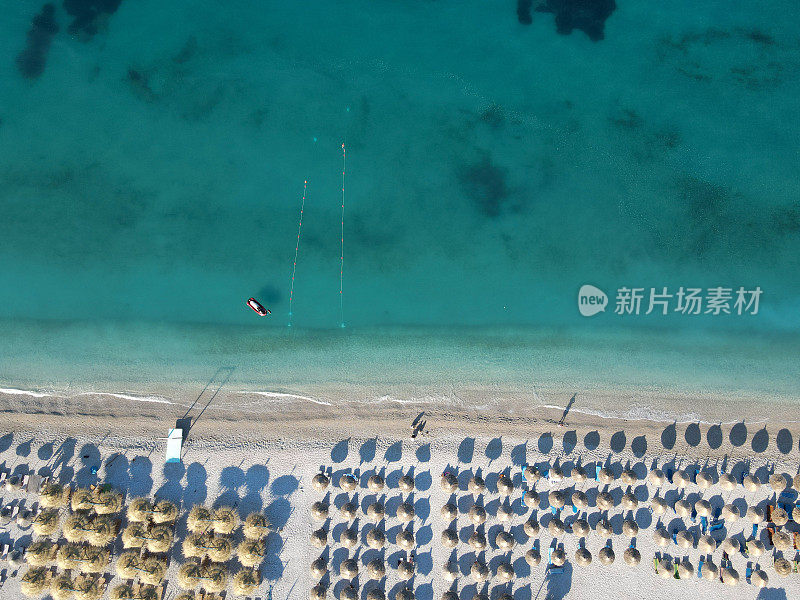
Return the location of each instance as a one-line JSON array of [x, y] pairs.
[[261, 456]]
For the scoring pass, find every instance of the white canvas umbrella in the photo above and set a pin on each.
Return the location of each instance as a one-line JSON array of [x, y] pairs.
[[449, 512], [727, 482]]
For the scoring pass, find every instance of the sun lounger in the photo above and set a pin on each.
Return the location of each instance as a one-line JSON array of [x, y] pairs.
[[4, 553], [554, 570], [748, 572], [796, 539], [14, 512], [3, 477], [597, 472], [770, 531], [669, 475], [676, 574], [675, 537], [700, 567], [770, 508], [655, 564], [24, 484], [703, 524], [755, 530]]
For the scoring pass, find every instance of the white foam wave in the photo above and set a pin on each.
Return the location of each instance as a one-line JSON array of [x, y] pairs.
[[31, 393], [120, 395], [136, 398], [285, 395]]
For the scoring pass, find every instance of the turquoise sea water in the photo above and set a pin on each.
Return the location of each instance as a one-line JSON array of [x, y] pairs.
[[154, 158]]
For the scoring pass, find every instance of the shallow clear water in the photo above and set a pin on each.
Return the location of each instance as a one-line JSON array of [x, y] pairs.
[[153, 171]]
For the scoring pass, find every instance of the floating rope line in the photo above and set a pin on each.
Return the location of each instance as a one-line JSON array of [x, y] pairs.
[[296, 248], [341, 254]]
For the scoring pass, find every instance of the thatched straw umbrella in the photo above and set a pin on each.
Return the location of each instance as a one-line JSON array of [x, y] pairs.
[[376, 483], [256, 526], [349, 511], [759, 578], [727, 482], [46, 523], [779, 516], [319, 538], [685, 570], [782, 566], [62, 587], [704, 480], [629, 477], [504, 540], [376, 594], [251, 552], [405, 512], [152, 570], [40, 553], [579, 500], [755, 515], [533, 557], [35, 581], [213, 578], [630, 528], [730, 576], [682, 508], [684, 539], [139, 510], [450, 571], [81, 499], [148, 592], [125, 592], [95, 560], [376, 513], [703, 508], [730, 545], [781, 540], [348, 593], [76, 528], [632, 557], [87, 588], [606, 475], [406, 483], [159, 539], [246, 582], [558, 558], [376, 539], [583, 558], [349, 538], [449, 512], [603, 528], [349, 568], [477, 541], [504, 513], [778, 482], [405, 539], [449, 538], [70, 556], [656, 477], [102, 531], [134, 536], [107, 502], [681, 479], [795, 514], [751, 484], [194, 546], [604, 501], [665, 568], [52, 495], [348, 482], [730, 513], [504, 485], [199, 519], [555, 527], [127, 565], [709, 570], [755, 548], [165, 511], [532, 474], [319, 567], [476, 485], [557, 499], [505, 572], [449, 483], [581, 528], [225, 520], [661, 537], [531, 526], [479, 571], [319, 510], [659, 505], [578, 473], [606, 555], [318, 592], [477, 514], [320, 482], [219, 549], [405, 570], [796, 482], [706, 544], [189, 575], [376, 569], [629, 501]]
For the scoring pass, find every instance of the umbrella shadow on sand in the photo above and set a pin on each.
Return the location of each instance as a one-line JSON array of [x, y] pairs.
[[556, 586], [771, 594]]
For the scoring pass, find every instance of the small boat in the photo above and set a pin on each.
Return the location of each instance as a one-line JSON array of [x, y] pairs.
[[256, 306]]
